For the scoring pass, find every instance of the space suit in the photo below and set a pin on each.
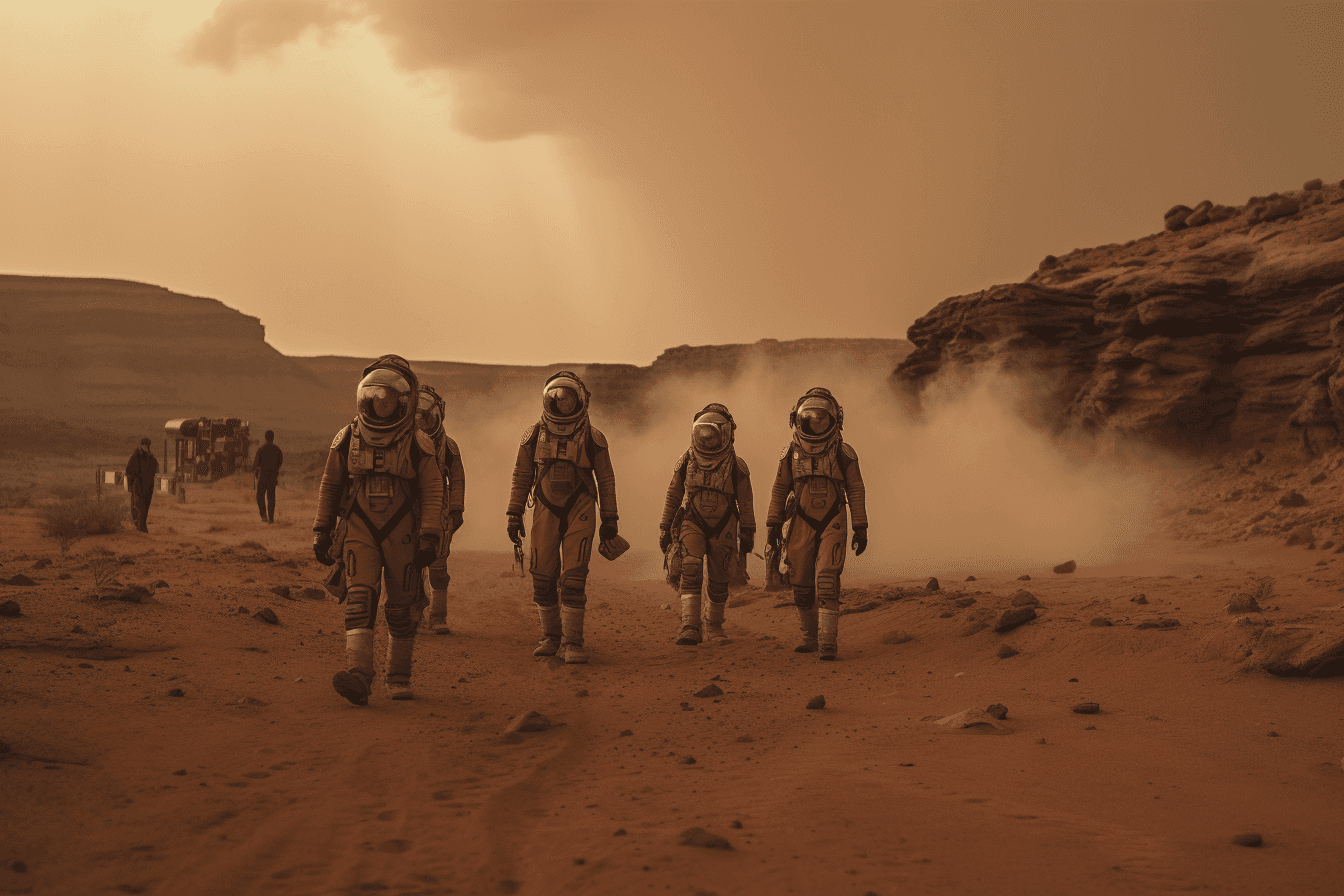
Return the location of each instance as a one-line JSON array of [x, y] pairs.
[[564, 464], [380, 511], [430, 422], [822, 473], [718, 520]]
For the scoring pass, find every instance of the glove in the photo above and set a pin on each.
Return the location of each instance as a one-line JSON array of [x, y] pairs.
[[664, 539], [456, 519], [860, 543], [428, 550], [322, 547], [773, 536], [516, 530], [746, 540], [607, 530]]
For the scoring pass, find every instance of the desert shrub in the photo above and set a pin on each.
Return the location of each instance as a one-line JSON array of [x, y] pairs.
[[69, 521], [70, 491], [15, 496], [102, 566]]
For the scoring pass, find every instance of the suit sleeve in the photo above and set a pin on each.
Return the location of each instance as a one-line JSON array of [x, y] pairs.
[[746, 509], [676, 490], [606, 479], [457, 480], [335, 480], [430, 479], [854, 491], [524, 469], [779, 493]]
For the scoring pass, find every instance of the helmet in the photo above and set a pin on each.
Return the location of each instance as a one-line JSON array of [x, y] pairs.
[[712, 430], [383, 400], [817, 416], [564, 402], [430, 411]]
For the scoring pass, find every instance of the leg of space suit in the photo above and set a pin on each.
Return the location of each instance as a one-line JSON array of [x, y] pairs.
[[438, 577], [719, 559], [802, 552], [561, 549], [545, 562], [694, 548], [830, 563]]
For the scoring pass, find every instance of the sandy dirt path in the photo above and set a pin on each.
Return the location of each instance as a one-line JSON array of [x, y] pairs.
[[260, 779]]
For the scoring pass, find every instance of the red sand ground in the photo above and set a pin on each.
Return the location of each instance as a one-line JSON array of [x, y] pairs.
[[262, 780]]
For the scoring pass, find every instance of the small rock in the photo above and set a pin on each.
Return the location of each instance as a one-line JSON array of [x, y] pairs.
[[1158, 623], [86, 665], [1175, 217], [1066, 567], [161, 584], [180, 772], [1318, 479], [665, 607], [10, 608], [1006, 652], [1243, 603], [528, 721], [1313, 185], [20, 580], [997, 710], [42, 563], [19, 866], [931, 585], [281, 591], [311, 593], [627, 733], [736, 825], [242, 611], [1250, 839], [177, 692], [1024, 578], [266, 615], [1272, 734], [970, 578], [1087, 709], [65, 576], [582, 692], [689, 760], [1141, 599], [1293, 499], [710, 690], [620, 832], [1100, 622], [77, 630], [703, 839], [1023, 598], [1011, 619], [817, 702], [129, 594]]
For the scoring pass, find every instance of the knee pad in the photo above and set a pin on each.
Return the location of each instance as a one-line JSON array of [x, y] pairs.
[[804, 597], [572, 589], [439, 578], [692, 574], [361, 603], [718, 591], [828, 586], [401, 623], [544, 593]]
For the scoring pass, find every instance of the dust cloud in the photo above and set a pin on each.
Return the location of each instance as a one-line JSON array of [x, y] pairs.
[[968, 488]]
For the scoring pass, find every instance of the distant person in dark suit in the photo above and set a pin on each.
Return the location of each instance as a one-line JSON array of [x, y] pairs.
[[266, 468], [140, 472]]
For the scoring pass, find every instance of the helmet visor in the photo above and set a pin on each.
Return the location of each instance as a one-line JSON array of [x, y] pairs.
[[383, 398], [707, 437], [561, 401], [431, 412], [815, 422]]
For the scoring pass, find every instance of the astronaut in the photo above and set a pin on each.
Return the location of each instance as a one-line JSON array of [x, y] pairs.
[[822, 472], [380, 512], [430, 421], [718, 521], [564, 463]]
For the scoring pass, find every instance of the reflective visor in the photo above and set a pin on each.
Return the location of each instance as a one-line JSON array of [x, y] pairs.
[[707, 438], [815, 418], [561, 401], [383, 397]]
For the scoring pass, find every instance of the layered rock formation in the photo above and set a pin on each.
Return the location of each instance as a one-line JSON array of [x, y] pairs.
[[1224, 329]]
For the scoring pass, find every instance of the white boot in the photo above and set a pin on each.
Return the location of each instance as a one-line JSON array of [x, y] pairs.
[[714, 620], [807, 624], [690, 620], [399, 653], [828, 633], [355, 683], [438, 611], [550, 631], [571, 622]]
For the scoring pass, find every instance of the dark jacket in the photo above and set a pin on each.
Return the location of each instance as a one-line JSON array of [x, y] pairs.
[[267, 462], [140, 472]]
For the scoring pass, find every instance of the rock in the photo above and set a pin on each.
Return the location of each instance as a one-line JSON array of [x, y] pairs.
[[311, 593], [77, 629], [898, 637], [242, 611], [689, 760], [129, 594], [1007, 652], [626, 733], [1199, 215], [18, 866], [1087, 709], [180, 772], [177, 692], [1303, 534], [932, 585], [1175, 217], [20, 580], [1100, 622], [581, 692], [1014, 617], [1298, 652], [41, 563], [1272, 734], [281, 591], [1159, 623], [266, 615], [1317, 479], [1313, 185], [1243, 603], [997, 710], [1274, 208], [10, 608], [817, 702], [160, 584], [971, 718], [710, 690], [1023, 598], [1024, 578], [970, 578], [1141, 599], [1293, 499], [528, 721], [964, 602], [65, 577], [703, 839], [620, 832], [1250, 839], [1066, 567], [736, 825]]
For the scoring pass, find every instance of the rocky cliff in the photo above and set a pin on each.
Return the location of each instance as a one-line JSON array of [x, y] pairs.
[[1224, 329]]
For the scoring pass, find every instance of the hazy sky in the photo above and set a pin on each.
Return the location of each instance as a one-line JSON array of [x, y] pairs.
[[530, 183]]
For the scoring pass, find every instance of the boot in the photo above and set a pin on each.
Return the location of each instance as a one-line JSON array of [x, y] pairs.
[[807, 622], [438, 611], [690, 620], [399, 652], [714, 620], [550, 631], [829, 632], [356, 682], [572, 626]]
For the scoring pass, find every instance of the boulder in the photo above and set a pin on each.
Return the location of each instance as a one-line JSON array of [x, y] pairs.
[[1066, 567], [1014, 617]]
